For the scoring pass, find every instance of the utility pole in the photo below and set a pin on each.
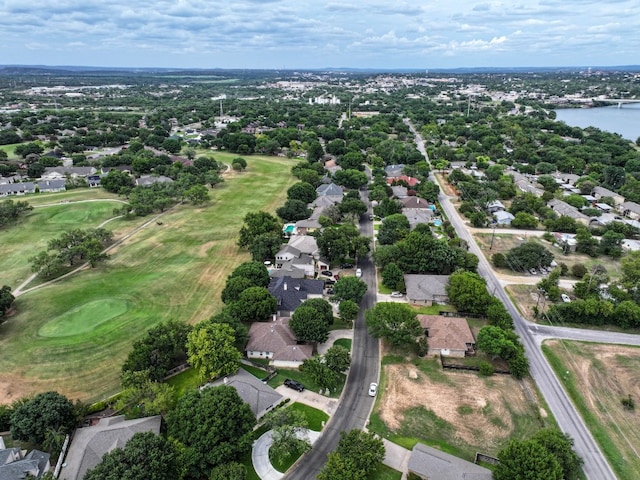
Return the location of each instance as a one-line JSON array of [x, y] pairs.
[[493, 234]]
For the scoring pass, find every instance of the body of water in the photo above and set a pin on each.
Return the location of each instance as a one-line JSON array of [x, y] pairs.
[[625, 120]]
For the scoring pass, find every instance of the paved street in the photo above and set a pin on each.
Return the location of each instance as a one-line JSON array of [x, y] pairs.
[[595, 465], [355, 404]]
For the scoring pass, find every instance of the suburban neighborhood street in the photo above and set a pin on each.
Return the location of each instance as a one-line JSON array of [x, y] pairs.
[[595, 465], [355, 404]]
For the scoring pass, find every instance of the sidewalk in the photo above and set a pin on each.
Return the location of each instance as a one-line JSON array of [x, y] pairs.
[[396, 457], [260, 455]]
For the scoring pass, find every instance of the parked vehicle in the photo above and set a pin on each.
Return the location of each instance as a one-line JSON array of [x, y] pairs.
[[346, 266], [533, 271], [329, 291], [373, 389], [358, 272], [294, 385], [565, 298], [396, 294], [326, 273]]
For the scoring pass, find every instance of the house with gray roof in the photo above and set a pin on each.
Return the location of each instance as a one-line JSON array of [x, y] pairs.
[[89, 444], [601, 192], [394, 170], [400, 191], [15, 465], [258, 395], [330, 189], [414, 202], [291, 292], [431, 463], [417, 216], [50, 186], [426, 289], [565, 210], [305, 244], [146, 180], [17, 189], [52, 173], [276, 342], [503, 217], [630, 210], [325, 201]]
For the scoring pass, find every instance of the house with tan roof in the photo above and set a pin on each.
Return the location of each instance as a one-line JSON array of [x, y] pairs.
[[447, 336], [276, 342]]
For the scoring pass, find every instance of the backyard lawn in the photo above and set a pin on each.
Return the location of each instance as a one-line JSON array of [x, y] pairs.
[[72, 336]]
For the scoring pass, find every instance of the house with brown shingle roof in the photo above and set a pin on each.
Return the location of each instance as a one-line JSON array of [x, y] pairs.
[[448, 336], [276, 342]]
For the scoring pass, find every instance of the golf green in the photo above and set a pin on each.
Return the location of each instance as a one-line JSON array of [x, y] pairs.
[[84, 318]]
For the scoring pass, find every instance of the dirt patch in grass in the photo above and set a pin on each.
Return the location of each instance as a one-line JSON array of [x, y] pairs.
[[479, 414], [600, 376]]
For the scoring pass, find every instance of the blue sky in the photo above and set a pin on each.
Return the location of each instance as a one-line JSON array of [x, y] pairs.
[[316, 34]]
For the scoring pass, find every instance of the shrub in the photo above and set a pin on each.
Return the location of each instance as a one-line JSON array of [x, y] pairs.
[[628, 403], [486, 369], [563, 268], [499, 260], [422, 347], [579, 270]]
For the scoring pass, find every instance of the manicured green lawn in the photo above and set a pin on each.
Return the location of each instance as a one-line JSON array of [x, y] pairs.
[[30, 235], [316, 418], [434, 309], [345, 342], [171, 271], [255, 371], [10, 149], [185, 381], [385, 473]]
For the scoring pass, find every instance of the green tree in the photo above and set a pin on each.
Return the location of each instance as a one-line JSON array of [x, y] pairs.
[[117, 182], [265, 246], [586, 243], [350, 178], [393, 277], [303, 191], [257, 223], [321, 375], [322, 307], [468, 292], [197, 194], [498, 315], [526, 460], [358, 454], [549, 285], [529, 255], [31, 420], [337, 358], [229, 471], [288, 431], [524, 220], [342, 241], [211, 350], [145, 456], [308, 326], [162, 348], [560, 445], [142, 397], [254, 304], [6, 299], [293, 210], [395, 322], [349, 288], [256, 272], [394, 227], [611, 244], [429, 191], [348, 310], [314, 151], [234, 287], [215, 427]]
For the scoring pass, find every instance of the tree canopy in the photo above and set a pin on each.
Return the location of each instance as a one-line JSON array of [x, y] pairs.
[[396, 322], [146, 456], [31, 420], [308, 326], [349, 288], [215, 427], [467, 291], [358, 454], [211, 350]]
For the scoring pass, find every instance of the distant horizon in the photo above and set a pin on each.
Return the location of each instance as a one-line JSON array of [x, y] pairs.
[[547, 68], [289, 34]]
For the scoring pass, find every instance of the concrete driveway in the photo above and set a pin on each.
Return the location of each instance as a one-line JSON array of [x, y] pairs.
[[313, 399], [260, 455], [333, 336]]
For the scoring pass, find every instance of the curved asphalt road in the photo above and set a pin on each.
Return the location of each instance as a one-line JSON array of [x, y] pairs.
[[355, 403], [595, 465]]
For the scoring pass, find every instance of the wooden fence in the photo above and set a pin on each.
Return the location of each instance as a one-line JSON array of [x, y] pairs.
[[471, 368]]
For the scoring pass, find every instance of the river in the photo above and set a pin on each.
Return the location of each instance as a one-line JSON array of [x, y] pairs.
[[625, 120]]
